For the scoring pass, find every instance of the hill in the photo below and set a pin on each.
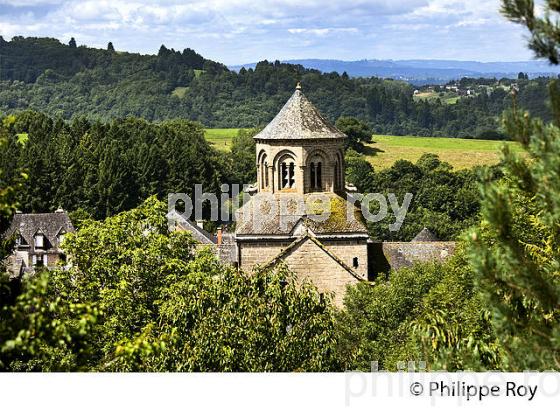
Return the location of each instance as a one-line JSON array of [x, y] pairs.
[[66, 81], [421, 72]]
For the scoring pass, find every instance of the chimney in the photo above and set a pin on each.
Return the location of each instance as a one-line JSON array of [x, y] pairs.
[[219, 236], [200, 223]]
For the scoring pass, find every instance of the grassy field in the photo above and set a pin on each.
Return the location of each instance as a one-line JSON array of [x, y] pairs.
[[221, 138], [446, 97], [461, 153]]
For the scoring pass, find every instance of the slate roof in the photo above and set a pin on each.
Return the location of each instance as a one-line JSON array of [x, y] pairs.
[[425, 235], [198, 234], [50, 224], [299, 119], [274, 215]]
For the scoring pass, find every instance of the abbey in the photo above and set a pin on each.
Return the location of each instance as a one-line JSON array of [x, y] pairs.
[[300, 162], [302, 214]]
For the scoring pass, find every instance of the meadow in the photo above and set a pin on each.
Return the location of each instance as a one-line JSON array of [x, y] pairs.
[[220, 138], [386, 149], [460, 153]]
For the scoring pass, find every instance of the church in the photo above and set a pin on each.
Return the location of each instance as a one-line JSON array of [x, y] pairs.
[[300, 174], [300, 155]]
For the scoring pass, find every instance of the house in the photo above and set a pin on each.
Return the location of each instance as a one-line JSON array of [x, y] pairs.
[[38, 239]]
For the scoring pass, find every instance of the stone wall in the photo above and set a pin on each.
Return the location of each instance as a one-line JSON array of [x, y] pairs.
[[310, 262], [259, 253], [347, 250]]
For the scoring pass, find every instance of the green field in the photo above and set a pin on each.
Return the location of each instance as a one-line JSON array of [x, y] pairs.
[[221, 138], [446, 97], [461, 153]]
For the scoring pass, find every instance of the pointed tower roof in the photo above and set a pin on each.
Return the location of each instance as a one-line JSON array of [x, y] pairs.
[[299, 119], [425, 235]]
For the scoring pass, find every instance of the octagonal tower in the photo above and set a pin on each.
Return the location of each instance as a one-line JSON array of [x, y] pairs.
[[300, 151]]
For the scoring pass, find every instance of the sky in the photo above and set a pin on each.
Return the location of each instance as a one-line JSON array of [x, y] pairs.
[[244, 31]]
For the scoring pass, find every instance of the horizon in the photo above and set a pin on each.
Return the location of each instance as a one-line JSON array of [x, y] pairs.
[[239, 32]]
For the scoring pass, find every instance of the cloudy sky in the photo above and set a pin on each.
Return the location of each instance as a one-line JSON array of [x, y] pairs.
[[242, 31]]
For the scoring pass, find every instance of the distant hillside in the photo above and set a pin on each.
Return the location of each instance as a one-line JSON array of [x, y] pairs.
[[66, 81], [426, 71]]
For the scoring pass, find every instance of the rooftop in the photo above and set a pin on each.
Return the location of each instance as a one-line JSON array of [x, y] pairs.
[[299, 119]]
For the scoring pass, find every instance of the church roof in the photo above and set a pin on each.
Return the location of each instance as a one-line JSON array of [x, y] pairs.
[[275, 215], [299, 119], [425, 235]]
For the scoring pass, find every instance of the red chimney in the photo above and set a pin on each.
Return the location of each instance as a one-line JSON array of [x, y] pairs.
[[219, 236]]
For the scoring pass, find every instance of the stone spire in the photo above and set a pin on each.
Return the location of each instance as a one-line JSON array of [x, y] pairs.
[[299, 119]]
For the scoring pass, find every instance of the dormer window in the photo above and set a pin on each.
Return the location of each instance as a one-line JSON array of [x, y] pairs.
[[61, 235], [39, 240]]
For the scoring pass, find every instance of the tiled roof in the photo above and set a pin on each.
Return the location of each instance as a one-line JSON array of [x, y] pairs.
[[299, 119], [199, 234], [50, 224]]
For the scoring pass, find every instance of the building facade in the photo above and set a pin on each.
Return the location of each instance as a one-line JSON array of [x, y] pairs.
[[38, 239]]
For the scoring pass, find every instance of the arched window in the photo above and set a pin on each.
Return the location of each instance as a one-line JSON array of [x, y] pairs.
[[264, 172], [338, 177], [287, 174], [315, 174]]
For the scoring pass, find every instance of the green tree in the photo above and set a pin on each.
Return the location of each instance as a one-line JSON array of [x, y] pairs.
[[358, 132], [244, 167], [142, 298], [515, 251]]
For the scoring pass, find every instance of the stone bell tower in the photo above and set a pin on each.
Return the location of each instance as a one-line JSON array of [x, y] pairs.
[[300, 156], [299, 151]]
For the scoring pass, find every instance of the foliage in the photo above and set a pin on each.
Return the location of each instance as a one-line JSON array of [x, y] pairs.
[[444, 201], [107, 168], [243, 156], [429, 312], [514, 251], [141, 298], [358, 132], [71, 82]]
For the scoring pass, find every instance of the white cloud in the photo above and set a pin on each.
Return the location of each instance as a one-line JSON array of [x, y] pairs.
[[235, 31]]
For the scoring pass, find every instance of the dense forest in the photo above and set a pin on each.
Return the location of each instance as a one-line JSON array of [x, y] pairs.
[[68, 81]]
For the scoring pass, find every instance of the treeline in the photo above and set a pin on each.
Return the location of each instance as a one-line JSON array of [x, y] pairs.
[[445, 201], [108, 168], [69, 81]]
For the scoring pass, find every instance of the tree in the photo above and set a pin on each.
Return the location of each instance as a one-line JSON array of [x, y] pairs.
[[141, 298], [110, 47], [429, 312], [72, 43], [358, 132], [515, 251], [243, 165]]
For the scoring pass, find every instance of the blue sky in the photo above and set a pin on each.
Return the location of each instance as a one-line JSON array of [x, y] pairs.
[[242, 31]]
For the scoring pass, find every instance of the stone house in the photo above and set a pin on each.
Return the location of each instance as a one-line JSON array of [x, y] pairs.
[[38, 239]]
